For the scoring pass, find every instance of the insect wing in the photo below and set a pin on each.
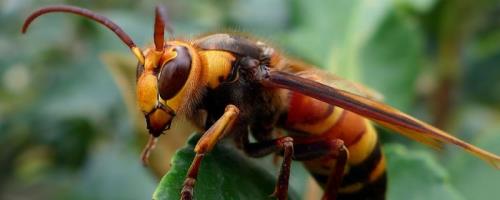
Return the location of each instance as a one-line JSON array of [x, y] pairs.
[[339, 83], [376, 111]]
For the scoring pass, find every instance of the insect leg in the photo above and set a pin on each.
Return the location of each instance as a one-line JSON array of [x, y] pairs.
[[302, 150], [205, 145], [335, 179], [260, 149], [312, 149]]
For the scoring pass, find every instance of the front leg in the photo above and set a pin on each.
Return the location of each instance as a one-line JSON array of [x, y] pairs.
[[206, 143]]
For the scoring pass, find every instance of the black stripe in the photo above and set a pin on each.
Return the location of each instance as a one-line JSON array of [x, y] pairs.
[[359, 173], [359, 135], [362, 171], [316, 119], [322, 179], [371, 191]]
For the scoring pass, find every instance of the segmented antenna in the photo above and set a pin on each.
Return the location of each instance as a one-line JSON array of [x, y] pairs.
[[91, 15], [159, 31], [161, 23]]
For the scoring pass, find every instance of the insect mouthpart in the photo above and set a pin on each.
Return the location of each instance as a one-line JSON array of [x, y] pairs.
[[159, 119]]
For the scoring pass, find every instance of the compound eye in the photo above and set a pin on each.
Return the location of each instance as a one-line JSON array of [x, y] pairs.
[[174, 74]]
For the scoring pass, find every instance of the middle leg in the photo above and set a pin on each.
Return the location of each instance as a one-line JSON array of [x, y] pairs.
[[301, 150]]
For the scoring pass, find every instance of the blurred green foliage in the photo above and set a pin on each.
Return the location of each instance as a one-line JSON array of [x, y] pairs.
[[65, 133]]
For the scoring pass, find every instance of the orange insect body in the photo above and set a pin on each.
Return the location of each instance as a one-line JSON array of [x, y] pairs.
[[322, 121]]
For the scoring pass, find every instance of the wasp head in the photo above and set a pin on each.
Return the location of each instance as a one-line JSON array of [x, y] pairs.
[[162, 71], [160, 81]]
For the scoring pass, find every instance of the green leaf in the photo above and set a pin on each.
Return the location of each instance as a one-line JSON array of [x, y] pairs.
[[473, 177], [391, 60], [363, 22], [420, 6], [225, 173], [112, 171], [415, 174], [372, 42], [319, 25]]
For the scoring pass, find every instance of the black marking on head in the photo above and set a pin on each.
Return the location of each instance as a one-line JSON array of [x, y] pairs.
[[139, 70]]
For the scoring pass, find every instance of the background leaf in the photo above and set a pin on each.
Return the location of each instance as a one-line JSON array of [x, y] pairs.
[[415, 174]]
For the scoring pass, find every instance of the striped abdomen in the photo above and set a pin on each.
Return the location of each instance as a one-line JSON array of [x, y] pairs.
[[364, 176]]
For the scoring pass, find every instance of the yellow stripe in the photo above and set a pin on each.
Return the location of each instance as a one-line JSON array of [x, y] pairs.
[[321, 126], [218, 63], [351, 188], [378, 171], [360, 150]]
